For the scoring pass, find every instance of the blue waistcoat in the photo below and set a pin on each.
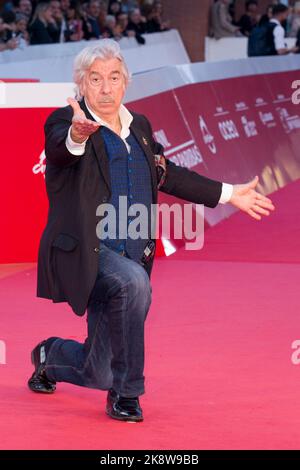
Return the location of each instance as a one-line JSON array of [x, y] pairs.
[[130, 176]]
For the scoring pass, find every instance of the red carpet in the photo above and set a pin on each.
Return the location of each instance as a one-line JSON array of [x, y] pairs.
[[218, 361]]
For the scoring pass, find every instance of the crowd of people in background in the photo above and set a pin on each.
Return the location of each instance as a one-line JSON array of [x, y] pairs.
[[26, 22], [223, 23], [265, 31]]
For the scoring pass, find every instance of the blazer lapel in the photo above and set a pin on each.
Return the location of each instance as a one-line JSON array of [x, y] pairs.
[[99, 148], [145, 144]]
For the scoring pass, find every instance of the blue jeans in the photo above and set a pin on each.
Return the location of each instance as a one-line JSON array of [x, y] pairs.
[[113, 352]]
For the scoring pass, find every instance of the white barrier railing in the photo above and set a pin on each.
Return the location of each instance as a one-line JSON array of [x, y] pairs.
[[229, 129], [53, 62], [150, 83], [230, 48]]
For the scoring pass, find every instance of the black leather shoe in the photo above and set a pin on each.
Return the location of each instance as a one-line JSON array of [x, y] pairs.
[[123, 408], [39, 382]]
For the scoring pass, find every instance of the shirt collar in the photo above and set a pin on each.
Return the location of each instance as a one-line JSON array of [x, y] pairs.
[[126, 119], [274, 20]]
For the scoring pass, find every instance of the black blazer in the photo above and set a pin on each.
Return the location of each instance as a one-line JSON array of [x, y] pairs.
[[39, 33], [76, 185]]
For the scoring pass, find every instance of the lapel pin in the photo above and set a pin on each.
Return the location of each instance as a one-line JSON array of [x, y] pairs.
[[145, 141]]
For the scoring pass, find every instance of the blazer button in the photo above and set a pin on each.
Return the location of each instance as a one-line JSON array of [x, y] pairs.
[[96, 250]]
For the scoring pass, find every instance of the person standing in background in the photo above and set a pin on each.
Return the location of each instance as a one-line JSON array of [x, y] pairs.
[[249, 20], [221, 21]]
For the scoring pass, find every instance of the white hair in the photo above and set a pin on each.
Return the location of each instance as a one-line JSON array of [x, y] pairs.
[[104, 50]]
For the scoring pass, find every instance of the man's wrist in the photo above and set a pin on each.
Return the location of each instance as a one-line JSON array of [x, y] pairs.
[[74, 148], [77, 139]]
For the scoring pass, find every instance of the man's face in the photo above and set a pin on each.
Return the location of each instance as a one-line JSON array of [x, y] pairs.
[[64, 4], [104, 87], [115, 7], [25, 7], [158, 8], [56, 10], [94, 9], [22, 25], [123, 20], [252, 9], [135, 16], [283, 17]]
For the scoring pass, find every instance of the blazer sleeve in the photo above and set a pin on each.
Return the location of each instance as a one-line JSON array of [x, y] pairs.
[[56, 130], [184, 183]]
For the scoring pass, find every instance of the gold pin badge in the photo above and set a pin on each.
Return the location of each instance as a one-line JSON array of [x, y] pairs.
[[145, 141]]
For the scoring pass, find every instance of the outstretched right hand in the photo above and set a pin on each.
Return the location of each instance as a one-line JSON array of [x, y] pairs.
[[82, 127]]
